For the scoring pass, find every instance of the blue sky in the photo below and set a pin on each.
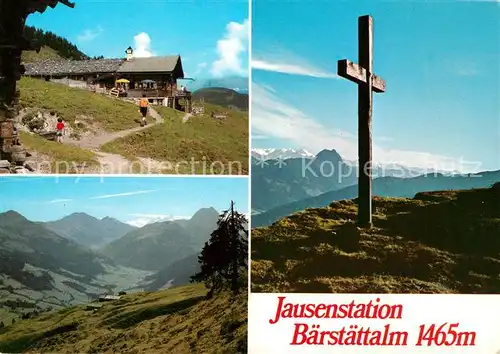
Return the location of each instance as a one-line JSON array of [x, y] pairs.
[[440, 61], [210, 36], [136, 200]]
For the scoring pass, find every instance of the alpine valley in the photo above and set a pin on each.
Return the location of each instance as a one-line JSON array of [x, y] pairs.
[[74, 260]]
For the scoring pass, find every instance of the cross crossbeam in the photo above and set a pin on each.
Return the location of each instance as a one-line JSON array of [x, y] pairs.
[[362, 74], [357, 74]]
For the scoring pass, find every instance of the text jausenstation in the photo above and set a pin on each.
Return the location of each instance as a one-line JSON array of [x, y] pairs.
[[444, 334]]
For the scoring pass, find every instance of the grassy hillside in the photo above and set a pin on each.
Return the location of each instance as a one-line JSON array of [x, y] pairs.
[[178, 320], [223, 97], [44, 54], [55, 152], [175, 144], [60, 45], [437, 242], [76, 104], [202, 138]]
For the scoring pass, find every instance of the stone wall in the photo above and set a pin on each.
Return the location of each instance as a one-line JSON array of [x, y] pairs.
[[12, 26]]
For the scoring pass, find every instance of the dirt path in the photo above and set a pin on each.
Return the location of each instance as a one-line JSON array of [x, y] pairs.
[[117, 164], [96, 141], [155, 115], [113, 163]]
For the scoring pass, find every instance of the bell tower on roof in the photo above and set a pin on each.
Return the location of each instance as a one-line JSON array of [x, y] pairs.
[[130, 53]]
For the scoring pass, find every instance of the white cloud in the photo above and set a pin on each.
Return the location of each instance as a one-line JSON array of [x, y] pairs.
[[384, 138], [143, 46], [259, 137], [292, 69], [282, 61], [60, 201], [123, 194], [199, 68], [145, 219], [231, 49], [275, 118], [90, 34], [10, 178]]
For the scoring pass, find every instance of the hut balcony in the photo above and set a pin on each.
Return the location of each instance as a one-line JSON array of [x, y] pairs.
[[183, 94], [150, 93], [157, 93]]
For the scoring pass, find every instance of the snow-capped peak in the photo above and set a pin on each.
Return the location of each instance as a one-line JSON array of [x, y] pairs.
[[273, 154]]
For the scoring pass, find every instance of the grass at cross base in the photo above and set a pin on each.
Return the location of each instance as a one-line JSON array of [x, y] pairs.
[[437, 242], [201, 138], [178, 320], [59, 153], [71, 103]]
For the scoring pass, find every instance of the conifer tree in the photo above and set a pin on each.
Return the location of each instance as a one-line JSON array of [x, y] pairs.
[[224, 258]]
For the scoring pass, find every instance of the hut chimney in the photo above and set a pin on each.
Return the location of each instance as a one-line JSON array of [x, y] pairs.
[[130, 53]]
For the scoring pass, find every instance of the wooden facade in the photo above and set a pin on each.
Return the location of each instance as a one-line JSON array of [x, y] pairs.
[[155, 77], [13, 14]]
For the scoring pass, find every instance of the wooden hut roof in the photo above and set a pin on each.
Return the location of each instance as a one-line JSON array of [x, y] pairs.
[[41, 5], [63, 67], [71, 67], [163, 64]]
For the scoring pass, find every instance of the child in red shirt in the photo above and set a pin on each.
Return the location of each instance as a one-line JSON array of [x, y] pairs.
[[59, 130]]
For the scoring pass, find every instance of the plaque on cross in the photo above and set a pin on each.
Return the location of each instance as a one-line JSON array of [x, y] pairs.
[[362, 75]]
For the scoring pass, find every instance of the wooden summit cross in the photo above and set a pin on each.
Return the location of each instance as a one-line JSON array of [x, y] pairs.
[[362, 74]]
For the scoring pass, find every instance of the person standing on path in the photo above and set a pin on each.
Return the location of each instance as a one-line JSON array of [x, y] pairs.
[[59, 130], [143, 107]]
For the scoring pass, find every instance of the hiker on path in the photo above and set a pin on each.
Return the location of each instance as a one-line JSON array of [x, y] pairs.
[[143, 107], [59, 130]]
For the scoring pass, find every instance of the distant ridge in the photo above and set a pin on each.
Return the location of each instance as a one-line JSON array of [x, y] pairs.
[[88, 230], [156, 246], [223, 97], [382, 187]]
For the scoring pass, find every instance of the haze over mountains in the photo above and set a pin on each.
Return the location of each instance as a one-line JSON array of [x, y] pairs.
[[281, 186], [284, 154], [223, 97], [379, 169], [88, 230], [157, 245], [75, 259], [236, 83]]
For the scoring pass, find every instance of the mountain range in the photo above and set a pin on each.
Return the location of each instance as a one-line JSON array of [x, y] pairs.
[[283, 184], [236, 83], [382, 187], [261, 156], [72, 260], [157, 245], [280, 154], [88, 230], [278, 182], [223, 97]]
